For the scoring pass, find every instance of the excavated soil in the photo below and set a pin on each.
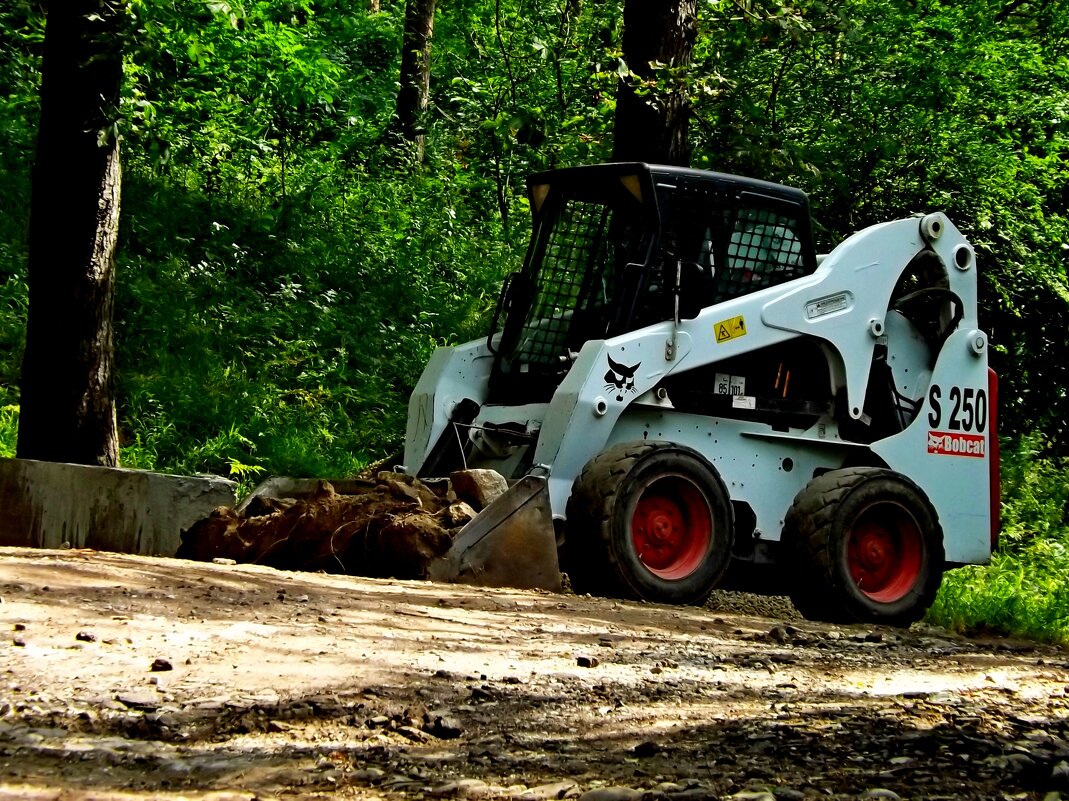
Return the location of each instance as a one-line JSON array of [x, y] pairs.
[[390, 526], [125, 677]]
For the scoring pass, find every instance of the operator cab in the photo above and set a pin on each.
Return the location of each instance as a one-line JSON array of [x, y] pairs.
[[615, 246]]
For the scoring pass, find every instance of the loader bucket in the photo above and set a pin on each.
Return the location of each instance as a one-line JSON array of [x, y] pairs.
[[511, 543]]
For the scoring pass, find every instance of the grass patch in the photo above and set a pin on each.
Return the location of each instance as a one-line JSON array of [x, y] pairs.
[[1024, 591], [1024, 594]]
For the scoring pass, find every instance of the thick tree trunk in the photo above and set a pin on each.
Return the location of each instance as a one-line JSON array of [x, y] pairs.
[[414, 96], [653, 126], [67, 405]]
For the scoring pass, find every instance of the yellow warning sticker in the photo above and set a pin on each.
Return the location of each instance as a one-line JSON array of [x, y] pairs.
[[732, 328]]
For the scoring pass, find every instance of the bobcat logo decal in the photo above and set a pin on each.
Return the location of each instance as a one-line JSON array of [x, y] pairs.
[[620, 378]]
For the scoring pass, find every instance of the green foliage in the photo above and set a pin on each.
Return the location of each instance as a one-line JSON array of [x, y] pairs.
[[9, 430], [1025, 589], [1024, 594], [1035, 492], [881, 110], [310, 336], [13, 304]]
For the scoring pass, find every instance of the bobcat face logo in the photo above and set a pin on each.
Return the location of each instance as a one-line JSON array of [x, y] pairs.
[[620, 378]]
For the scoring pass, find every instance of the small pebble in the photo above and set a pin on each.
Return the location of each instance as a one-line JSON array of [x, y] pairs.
[[611, 794], [646, 749]]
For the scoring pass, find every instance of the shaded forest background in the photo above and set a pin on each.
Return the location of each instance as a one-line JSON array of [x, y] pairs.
[[287, 262]]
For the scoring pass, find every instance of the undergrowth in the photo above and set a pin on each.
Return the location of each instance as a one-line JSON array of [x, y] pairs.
[[1025, 589]]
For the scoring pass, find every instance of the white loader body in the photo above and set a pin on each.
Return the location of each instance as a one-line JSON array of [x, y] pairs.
[[854, 314]]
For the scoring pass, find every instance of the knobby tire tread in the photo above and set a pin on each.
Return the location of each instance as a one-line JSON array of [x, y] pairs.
[[808, 528], [593, 493], [603, 560]]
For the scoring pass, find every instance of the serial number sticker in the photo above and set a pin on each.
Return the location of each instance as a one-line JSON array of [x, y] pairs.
[[822, 307], [729, 329], [725, 384], [743, 402], [945, 443]]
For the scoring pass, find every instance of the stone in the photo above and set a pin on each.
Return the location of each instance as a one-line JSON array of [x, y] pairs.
[[1059, 775], [145, 702], [472, 788], [611, 794], [588, 661], [548, 792], [444, 727], [880, 793], [479, 488], [106, 508], [369, 775], [464, 788], [414, 734], [85, 636], [647, 748], [459, 514], [160, 664], [788, 794], [693, 794], [778, 634]]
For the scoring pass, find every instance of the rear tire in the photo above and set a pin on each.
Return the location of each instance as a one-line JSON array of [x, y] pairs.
[[863, 544], [649, 521]]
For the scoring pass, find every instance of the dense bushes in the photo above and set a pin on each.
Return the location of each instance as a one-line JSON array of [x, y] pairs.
[[293, 347]]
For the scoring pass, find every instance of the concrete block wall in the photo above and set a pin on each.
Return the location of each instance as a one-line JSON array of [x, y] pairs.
[[46, 504]]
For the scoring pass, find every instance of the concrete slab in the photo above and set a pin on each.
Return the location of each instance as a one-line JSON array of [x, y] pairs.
[[47, 504]]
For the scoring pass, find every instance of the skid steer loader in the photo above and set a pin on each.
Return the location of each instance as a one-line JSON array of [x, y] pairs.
[[680, 380]]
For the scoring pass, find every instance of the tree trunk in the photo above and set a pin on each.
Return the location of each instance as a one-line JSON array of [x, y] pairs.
[[67, 404], [653, 126], [414, 96]]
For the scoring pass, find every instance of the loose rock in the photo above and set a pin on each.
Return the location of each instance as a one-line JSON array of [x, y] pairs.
[[611, 794]]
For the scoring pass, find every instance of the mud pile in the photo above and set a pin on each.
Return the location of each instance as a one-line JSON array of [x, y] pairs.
[[388, 527]]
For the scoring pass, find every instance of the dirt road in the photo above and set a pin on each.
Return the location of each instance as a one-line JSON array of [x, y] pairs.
[[128, 677]]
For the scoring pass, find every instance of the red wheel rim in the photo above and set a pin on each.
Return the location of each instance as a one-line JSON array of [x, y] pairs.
[[885, 552], [672, 527]]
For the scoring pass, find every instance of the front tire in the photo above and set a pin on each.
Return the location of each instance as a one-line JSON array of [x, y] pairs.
[[649, 521], [863, 545]]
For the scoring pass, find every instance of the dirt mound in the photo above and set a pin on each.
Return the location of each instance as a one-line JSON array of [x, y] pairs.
[[389, 527]]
